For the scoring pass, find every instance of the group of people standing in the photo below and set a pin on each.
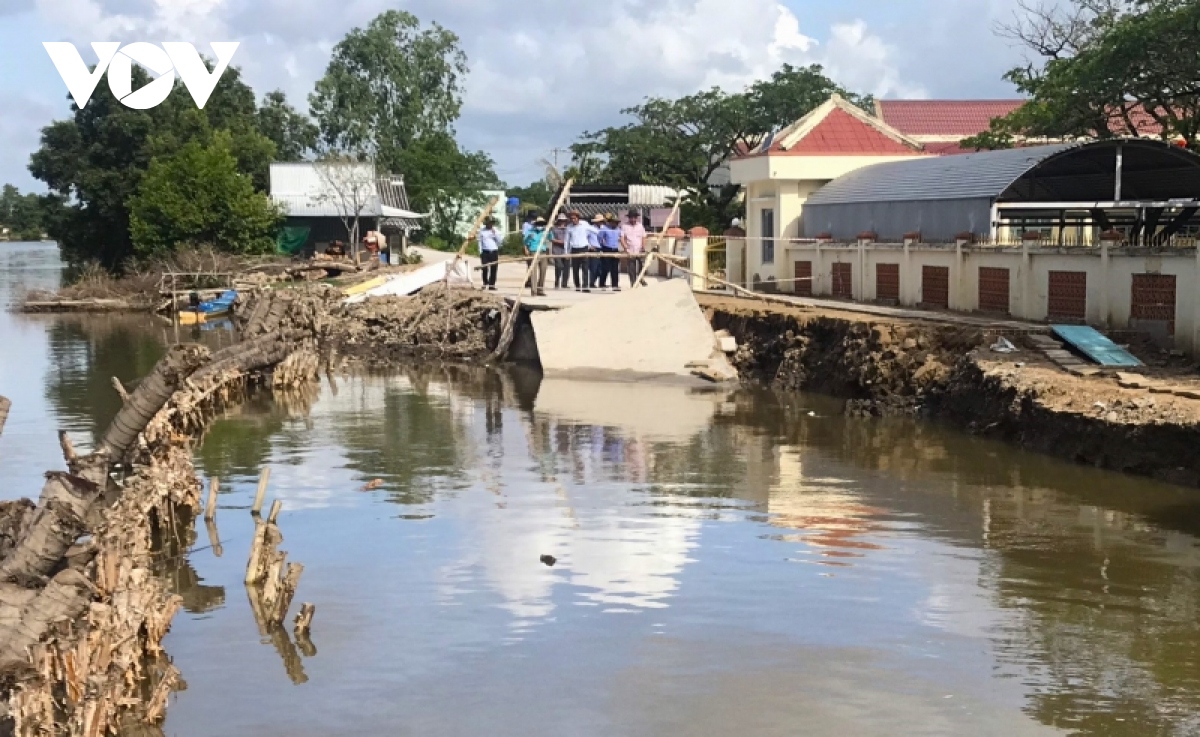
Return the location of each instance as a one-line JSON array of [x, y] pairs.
[[599, 248]]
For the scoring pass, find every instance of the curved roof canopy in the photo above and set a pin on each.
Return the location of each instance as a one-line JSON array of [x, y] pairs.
[[1065, 172]]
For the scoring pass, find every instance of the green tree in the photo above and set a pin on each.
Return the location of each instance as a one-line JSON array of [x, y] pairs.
[[21, 214], [790, 94], [684, 142], [534, 196], [294, 134], [1104, 67], [447, 182], [94, 161], [197, 196], [388, 86]]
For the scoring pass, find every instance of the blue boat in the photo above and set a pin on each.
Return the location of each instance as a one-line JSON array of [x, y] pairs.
[[209, 309]]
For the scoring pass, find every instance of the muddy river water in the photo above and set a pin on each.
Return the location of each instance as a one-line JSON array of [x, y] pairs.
[[734, 562]]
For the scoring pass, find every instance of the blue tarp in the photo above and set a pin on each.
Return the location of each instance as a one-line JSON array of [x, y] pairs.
[[1095, 346]]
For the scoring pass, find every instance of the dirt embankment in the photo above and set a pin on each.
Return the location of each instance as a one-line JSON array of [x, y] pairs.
[[888, 367]]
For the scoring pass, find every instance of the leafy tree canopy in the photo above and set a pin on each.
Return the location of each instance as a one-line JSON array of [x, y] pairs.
[[685, 141], [1103, 69], [389, 86], [294, 134], [447, 182], [198, 196], [94, 161], [21, 214]]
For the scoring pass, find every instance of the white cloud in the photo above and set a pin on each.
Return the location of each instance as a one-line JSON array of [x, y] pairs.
[[21, 126], [862, 62], [542, 70]]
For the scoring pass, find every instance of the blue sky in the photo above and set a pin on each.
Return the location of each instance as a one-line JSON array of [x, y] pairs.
[[526, 94]]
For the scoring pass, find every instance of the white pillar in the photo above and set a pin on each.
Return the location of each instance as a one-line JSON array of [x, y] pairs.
[[699, 238]]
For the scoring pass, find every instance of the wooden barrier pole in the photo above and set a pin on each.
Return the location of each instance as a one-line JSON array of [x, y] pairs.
[[747, 292], [651, 257], [542, 241], [565, 257], [658, 240], [506, 333], [263, 477], [462, 250]]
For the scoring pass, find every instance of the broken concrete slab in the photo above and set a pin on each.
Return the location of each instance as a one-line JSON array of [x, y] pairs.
[[413, 281], [726, 342], [1084, 371], [654, 330]]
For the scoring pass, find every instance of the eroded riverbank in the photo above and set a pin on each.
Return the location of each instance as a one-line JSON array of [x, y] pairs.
[[888, 367]]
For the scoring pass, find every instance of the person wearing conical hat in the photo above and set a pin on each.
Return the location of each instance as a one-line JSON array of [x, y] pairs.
[[537, 240], [558, 248], [609, 238]]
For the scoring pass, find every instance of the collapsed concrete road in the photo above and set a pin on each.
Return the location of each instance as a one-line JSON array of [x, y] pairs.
[[654, 331]]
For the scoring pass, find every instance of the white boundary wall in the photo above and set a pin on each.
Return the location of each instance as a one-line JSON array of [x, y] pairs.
[[1109, 268]]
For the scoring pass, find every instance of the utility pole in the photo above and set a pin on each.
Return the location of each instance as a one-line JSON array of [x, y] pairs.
[[555, 152]]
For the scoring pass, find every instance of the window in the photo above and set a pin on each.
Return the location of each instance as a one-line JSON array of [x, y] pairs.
[[768, 236]]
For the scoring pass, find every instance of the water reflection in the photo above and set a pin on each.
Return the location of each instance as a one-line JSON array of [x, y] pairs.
[[1034, 593]]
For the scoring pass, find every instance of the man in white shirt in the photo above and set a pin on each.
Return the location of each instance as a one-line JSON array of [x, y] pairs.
[[580, 237], [489, 252]]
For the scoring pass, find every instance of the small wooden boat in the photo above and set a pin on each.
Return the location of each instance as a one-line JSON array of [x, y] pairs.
[[209, 309]]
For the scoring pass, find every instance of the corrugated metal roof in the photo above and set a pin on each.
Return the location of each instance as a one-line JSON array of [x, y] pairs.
[[303, 192], [967, 176]]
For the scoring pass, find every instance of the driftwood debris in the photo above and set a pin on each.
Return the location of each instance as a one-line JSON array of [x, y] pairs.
[[5, 406], [270, 586], [82, 614], [85, 305]]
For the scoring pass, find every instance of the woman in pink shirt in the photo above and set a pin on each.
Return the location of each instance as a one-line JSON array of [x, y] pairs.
[[633, 242]]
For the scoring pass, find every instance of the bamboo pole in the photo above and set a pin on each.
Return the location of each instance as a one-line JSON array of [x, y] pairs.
[[658, 241], [556, 257], [210, 509], [542, 241], [276, 507], [506, 334], [651, 257], [746, 292], [263, 477], [462, 250]]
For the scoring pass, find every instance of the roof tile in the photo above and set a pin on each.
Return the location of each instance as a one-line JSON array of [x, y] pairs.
[[944, 117], [842, 133]]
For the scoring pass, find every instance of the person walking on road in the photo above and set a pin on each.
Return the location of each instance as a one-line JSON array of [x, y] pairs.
[[579, 236], [558, 248], [538, 241], [633, 243], [489, 252]]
